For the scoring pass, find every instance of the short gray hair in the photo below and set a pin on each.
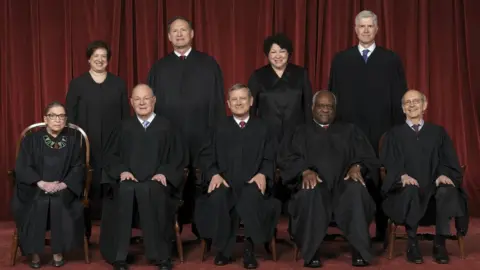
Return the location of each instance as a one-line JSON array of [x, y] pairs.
[[423, 97], [324, 91], [239, 86], [366, 14]]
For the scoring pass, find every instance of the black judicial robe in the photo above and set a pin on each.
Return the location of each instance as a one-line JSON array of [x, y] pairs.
[[190, 93], [36, 212], [98, 108], [284, 103], [144, 153], [237, 155], [330, 153], [369, 94], [424, 156]]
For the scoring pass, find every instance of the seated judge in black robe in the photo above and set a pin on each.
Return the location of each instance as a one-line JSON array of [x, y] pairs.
[[145, 163], [97, 101], [325, 165], [48, 188], [189, 87], [369, 81], [423, 176], [237, 165]]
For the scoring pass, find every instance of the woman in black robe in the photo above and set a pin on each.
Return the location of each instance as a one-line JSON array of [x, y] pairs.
[[97, 101], [282, 94], [49, 183]]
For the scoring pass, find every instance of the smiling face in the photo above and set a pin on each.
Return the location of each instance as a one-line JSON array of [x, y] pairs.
[[180, 34], [239, 101], [414, 105], [324, 108], [99, 60], [366, 30], [278, 57], [143, 100]]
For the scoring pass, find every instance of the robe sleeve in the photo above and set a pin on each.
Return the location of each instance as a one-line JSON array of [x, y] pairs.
[[398, 88], [448, 160], [208, 158], [75, 179], [307, 97], [217, 101], [72, 102], [363, 155], [292, 158], [151, 78], [176, 157], [268, 160], [124, 102], [255, 88], [392, 158], [114, 165], [25, 171]]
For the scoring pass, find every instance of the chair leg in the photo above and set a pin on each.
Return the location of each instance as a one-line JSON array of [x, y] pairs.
[[86, 250], [461, 245], [179, 241], [273, 245], [14, 248], [295, 252], [204, 249], [391, 238]]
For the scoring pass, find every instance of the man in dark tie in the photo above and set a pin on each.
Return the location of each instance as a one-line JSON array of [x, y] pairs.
[[326, 164], [190, 91], [423, 177], [368, 81], [238, 172]]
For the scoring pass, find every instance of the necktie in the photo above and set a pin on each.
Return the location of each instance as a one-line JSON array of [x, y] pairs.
[[365, 55], [416, 128], [146, 124], [242, 124], [182, 57]]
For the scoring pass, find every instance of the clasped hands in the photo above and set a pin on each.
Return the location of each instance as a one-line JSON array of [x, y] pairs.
[[129, 176], [258, 179], [408, 180], [310, 178], [51, 187]]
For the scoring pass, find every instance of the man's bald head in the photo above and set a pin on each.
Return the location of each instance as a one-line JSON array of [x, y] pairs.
[[142, 87], [412, 93], [143, 100], [414, 104]]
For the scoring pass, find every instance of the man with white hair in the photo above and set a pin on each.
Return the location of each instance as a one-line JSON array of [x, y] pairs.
[[369, 81]]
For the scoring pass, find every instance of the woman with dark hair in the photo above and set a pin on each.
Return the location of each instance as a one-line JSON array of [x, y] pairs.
[[282, 93], [97, 101], [49, 181]]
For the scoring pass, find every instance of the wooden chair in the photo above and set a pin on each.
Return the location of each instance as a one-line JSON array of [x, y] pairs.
[[392, 227], [240, 237], [88, 181]]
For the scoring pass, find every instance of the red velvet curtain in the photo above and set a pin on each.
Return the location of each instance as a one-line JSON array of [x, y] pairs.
[[43, 43]]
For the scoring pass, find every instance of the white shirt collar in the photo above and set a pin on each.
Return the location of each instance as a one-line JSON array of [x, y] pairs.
[[322, 125], [370, 49], [239, 120], [149, 119], [421, 123], [185, 54]]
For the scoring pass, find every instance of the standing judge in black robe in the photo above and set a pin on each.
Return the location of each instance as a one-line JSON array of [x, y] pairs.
[[189, 87], [49, 183], [97, 102], [368, 81], [144, 170], [237, 164], [423, 174], [325, 165]]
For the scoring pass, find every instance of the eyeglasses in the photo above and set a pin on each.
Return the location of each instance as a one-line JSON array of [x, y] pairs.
[[61, 117], [142, 100], [413, 101]]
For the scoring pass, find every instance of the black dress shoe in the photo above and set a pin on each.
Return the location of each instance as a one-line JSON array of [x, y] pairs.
[[35, 265], [120, 266], [413, 254], [58, 263], [165, 265], [357, 259], [314, 263], [249, 261], [440, 254], [221, 260]]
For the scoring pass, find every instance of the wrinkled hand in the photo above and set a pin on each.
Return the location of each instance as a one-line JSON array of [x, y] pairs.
[[48, 187], [59, 186], [355, 174], [127, 176], [407, 180], [261, 182], [442, 179], [310, 179], [160, 178], [216, 181]]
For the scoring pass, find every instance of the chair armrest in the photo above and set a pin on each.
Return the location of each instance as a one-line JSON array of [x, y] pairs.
[[11, 175]]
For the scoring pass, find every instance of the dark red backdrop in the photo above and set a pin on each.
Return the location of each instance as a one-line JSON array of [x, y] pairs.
[[43, 42]]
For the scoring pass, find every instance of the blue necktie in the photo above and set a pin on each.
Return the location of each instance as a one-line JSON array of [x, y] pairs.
[[416, 128], [146, 124], [365, 55]]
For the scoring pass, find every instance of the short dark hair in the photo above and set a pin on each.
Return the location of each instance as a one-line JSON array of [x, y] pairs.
[[281, 40], [178, 18], [52, 105], [98, 44]]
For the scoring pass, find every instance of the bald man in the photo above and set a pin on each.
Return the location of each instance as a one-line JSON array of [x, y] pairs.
[[423, 178], [145, 162], [326, 164]]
